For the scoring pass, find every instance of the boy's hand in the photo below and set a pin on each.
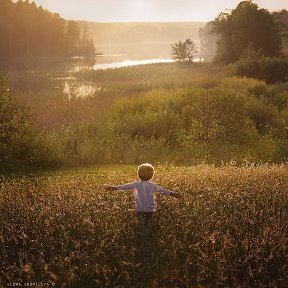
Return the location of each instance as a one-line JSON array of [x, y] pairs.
[[110, 188], [176, 195]]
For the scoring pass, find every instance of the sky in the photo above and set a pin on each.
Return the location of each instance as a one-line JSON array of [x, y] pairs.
[[148, 10]]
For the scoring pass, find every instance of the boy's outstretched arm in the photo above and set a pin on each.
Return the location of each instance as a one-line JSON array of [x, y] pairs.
[[110, 188], [128, 186], [176, 195], [166, 192]]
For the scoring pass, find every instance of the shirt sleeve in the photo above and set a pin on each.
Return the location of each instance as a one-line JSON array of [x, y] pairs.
[[128, 186], [161, 190]]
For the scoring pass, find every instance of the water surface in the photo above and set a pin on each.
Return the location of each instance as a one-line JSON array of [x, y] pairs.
[[126, 63]]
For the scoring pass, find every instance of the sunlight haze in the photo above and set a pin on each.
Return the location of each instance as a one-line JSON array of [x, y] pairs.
[[148, 10]]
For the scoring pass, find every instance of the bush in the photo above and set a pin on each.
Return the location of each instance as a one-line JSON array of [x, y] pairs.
[[271, 70], [235, 118], [16, 133], [21, 147], [187, 125]]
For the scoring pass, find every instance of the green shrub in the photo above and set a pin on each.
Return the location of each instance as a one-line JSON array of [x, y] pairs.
[[177, 116], [264, 115], [16, 133], [21, 146], [271, 70], [188, 125]]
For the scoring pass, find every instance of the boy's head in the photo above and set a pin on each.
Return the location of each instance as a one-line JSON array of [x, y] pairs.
[[145, 171]]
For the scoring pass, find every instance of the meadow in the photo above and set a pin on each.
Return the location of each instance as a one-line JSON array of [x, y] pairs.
[[52, 107], [230, 230], [169, 112]]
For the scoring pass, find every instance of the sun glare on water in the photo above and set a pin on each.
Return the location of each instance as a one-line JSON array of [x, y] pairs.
[[127, 63]]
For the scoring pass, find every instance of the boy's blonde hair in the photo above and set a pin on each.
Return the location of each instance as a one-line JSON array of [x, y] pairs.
[[145, 171]]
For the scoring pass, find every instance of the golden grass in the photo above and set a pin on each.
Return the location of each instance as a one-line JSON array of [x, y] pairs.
[[229, 231]]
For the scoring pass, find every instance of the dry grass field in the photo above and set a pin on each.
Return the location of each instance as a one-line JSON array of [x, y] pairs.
[[64, 229]]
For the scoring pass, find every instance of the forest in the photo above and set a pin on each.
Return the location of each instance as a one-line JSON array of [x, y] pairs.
[[263, 32], [30, 34]]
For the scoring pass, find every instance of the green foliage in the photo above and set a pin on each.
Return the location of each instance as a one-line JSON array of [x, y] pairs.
[[221, 129], [247, 28], [21, 145], [271, 70], [282, 18], [15, 131], [183, 51], [150, 116], [231, 121]]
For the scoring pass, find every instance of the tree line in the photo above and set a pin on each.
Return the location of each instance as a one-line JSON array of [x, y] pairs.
[[245, 31], [28, 31]]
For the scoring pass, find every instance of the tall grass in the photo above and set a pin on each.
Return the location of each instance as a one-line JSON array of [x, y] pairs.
[[229, 231], [130, 80]]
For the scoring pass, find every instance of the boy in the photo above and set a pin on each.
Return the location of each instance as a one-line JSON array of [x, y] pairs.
[[145, 204]]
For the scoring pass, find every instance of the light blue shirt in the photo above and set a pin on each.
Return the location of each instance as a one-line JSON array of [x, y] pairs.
[[144, 194]]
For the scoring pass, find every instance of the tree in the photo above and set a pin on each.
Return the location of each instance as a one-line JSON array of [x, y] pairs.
[[86, 45], [184, 51], [208, 40], [73, 34], [282, 17], [247, 28]]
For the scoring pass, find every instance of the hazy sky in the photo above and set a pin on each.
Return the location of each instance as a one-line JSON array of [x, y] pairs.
[[148, 10]]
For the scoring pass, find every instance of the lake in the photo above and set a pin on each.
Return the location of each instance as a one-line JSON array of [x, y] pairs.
[[126, 63], [103, 62], [58, 77]]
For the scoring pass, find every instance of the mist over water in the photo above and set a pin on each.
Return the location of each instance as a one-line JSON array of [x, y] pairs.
[[142, 40]]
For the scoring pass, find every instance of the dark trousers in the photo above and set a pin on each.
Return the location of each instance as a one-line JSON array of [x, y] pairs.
[[145, 220]]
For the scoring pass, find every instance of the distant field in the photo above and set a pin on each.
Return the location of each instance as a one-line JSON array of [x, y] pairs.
[[229, 231]]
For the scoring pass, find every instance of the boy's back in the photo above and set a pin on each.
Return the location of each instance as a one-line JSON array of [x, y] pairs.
[[144, 194], [144, 190]]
